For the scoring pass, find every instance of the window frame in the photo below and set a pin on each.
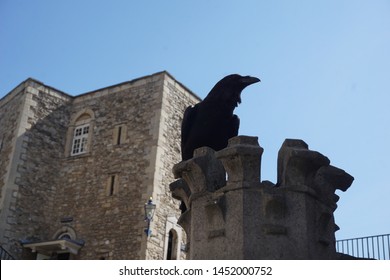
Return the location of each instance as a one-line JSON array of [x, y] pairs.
[[175, 249], [112, 186], [119, 135], [83, 118], [80, 141]]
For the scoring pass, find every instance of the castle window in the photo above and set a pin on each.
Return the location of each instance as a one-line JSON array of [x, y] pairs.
[[112, 185], [118, 141], [173, 238], [119, 135], [79, 135], [80, 140], [172, 245]]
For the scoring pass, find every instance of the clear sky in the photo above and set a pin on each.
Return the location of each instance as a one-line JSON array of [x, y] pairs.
[[324, 66]]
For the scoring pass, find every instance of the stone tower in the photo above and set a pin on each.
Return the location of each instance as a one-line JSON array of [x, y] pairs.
[[76, 171], [232, 214]]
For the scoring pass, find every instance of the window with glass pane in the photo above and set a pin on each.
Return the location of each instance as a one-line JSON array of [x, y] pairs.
[[80, 140]]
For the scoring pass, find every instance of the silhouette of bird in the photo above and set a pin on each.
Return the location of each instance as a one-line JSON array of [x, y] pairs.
[[211, 122]]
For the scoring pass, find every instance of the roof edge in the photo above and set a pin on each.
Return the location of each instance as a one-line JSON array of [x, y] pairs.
[[164, 72], [25, 83], [119, 84]]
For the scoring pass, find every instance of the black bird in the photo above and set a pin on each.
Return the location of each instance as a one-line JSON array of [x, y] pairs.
[[211, 122]]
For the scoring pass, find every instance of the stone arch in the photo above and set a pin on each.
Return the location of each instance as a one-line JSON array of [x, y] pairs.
[[82, 116], [64, 231], [173, 243], [173, 239]]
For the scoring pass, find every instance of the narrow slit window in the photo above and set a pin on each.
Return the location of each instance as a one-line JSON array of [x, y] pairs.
[[118, 140], [112, 186], [119, 135]]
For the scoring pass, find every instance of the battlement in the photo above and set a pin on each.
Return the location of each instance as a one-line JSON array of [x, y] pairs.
[[232, 214]]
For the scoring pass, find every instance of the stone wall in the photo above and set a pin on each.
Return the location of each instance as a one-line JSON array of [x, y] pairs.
[[97, 197], [112, 224], [34, 118], [176, 98], [10, 112]]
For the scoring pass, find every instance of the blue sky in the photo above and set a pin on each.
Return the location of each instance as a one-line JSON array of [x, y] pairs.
[[324, 66]]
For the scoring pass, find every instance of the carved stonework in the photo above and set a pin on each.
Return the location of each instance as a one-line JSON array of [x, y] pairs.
[[231, 214]]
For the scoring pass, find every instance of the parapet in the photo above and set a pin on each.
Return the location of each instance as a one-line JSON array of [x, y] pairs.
[[232, 214]]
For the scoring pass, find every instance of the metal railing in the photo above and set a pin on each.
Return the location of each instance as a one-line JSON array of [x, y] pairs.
[[4, 255], [370, 247]]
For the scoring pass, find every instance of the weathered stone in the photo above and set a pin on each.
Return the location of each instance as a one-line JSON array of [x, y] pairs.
[[334, 176], [242, 159], [181, 191], [297, 164], [202, 173], [247, 219], [133, 142]]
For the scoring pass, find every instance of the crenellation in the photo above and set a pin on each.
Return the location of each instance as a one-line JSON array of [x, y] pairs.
[[245, 218], [242, 159]]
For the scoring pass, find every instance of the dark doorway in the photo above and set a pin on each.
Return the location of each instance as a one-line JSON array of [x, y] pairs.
[[172, 245]]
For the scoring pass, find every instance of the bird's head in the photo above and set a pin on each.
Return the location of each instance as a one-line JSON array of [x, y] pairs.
[[228, 90]]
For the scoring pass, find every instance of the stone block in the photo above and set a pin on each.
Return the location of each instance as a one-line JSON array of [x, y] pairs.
[[202, 173], [180, 191], [297, 164], [242, 159]]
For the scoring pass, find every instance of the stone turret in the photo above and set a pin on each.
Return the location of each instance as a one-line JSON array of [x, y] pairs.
[[232, 214]]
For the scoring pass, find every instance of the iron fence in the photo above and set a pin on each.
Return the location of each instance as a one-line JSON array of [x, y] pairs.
[[370, 247], [4, 255]]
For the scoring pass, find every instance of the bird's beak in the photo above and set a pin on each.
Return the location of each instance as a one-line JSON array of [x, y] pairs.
[[248, 80]]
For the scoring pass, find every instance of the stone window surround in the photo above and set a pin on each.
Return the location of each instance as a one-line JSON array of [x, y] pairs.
[[82, 118], [112, 187], [172, 245], [119, 134], [172, 226]]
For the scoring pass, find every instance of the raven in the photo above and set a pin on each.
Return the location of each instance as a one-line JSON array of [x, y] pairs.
[[211, 122]]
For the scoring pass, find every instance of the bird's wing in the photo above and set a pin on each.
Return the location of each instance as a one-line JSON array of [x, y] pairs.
[[186, 126], [233, 128]]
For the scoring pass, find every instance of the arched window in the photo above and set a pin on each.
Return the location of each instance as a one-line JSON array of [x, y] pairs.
[[172, 245], [79, 133], [174, 237]]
